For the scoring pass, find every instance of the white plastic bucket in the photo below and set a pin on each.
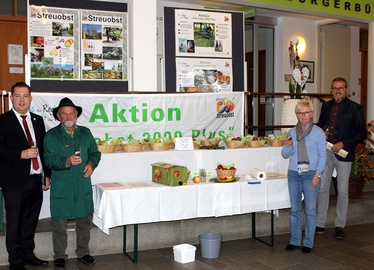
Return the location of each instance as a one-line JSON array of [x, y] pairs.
[[184, 253], [210, 245]]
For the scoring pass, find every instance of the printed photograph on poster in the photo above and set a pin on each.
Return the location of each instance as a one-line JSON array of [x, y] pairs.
[[54, 43], [104, 45], [203, 33], [204, 75]]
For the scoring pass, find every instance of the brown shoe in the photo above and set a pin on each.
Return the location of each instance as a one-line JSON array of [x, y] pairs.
[[339, 233], [320, 230]]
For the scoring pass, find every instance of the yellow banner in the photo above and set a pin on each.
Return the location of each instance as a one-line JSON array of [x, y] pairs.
[[361, 9]]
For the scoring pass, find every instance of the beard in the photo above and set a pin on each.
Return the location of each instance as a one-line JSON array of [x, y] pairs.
[[69, 123], [338, 100]]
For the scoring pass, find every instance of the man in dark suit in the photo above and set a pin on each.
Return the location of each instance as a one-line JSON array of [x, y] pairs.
[[23, 176], [343, 119]]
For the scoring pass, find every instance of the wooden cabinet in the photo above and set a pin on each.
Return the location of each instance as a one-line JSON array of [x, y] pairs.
[[13, 30]]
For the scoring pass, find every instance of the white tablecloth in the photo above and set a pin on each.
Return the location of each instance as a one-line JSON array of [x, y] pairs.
[[125, 167], [136, 167], [146, 202]]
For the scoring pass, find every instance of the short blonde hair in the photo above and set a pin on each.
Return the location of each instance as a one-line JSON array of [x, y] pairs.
[[305, 102]]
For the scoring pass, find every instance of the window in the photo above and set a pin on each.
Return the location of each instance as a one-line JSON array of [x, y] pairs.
[[13, 7]]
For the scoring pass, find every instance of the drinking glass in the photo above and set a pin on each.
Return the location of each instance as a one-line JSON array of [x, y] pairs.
[[77, 151]]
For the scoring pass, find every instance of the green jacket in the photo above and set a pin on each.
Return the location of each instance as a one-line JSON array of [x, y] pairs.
[[71, 193]]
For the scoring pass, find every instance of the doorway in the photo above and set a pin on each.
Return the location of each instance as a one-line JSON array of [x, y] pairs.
[[259, 57]]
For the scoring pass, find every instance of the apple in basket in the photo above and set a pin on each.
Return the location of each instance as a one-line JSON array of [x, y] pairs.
[[196, 179]]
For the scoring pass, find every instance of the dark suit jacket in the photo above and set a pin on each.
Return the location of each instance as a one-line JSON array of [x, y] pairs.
[[14, 171], [350, 127]]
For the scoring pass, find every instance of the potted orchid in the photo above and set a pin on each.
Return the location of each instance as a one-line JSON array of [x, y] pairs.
[[300, 73]]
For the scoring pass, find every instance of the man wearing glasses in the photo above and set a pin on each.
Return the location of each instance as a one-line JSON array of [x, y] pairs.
[[344, 125]]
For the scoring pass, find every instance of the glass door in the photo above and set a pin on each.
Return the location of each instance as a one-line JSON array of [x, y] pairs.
[[259, 55]]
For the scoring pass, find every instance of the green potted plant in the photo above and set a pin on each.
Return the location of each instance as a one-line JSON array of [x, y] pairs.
[[362, 167], [300, 73], [361, 171]]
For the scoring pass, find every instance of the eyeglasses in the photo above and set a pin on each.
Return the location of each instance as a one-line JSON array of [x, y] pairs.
[[303, 113], [341, 88]]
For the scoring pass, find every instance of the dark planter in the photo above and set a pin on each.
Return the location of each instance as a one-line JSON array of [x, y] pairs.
[[355, 187]]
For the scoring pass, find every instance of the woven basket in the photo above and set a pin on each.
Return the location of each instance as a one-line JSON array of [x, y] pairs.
[[214, 141], [172, 145], [210, 142], [235, 144], [160, 146], [107, 148], [118, 147], [136, 147], [225, 173], [255, 144], [276, 142], [147, 146], [196, 145]]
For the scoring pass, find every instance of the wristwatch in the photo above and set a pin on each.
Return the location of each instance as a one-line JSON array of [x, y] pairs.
[[318, 175]]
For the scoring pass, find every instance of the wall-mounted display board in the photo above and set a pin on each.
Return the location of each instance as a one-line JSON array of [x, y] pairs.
[[204, 50], [204, 75], [54, 43], [78, 46]]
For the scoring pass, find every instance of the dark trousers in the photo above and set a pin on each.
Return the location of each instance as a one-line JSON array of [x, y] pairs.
[[60, 238], [22, 208]]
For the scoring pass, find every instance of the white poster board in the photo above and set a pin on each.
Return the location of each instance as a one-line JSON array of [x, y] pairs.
[[202, 33], [103, 45], [204, 75], [54, 43]]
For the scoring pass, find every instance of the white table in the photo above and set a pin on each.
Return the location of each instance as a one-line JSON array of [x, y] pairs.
[[125, 167], [136, 167], [135, 203]]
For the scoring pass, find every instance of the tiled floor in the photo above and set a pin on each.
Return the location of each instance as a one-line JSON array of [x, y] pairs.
[[354, 252]]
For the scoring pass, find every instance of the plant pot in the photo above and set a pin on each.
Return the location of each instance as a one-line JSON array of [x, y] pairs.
[[355, 187], [288, 116]]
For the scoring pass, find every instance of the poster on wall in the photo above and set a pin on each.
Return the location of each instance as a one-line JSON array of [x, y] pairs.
[[103, 45], [204, 75], [54, 43], [203, 33]]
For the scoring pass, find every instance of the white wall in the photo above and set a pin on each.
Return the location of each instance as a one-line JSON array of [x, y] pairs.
[[143, 45], [355, 86]]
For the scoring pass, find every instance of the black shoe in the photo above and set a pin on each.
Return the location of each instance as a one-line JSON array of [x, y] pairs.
[[35, 262], [59, 263], [87, 259], [320, 230], [339, 233], [306, 250], [17, 266], [291, 247]]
